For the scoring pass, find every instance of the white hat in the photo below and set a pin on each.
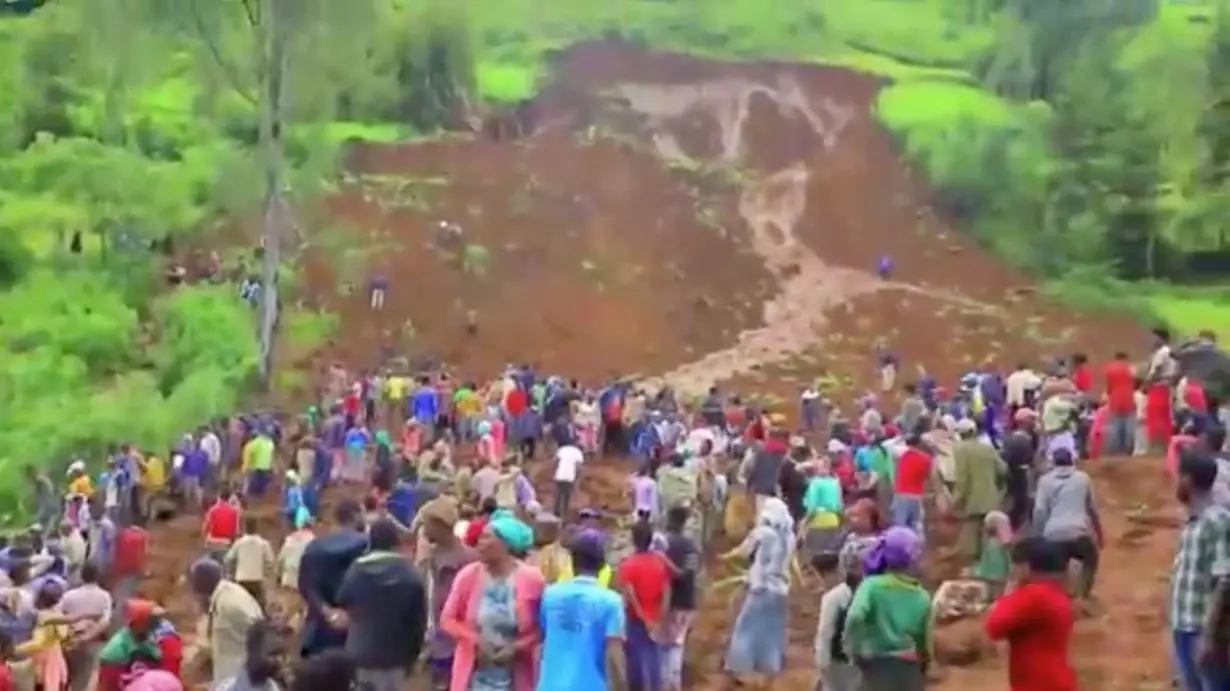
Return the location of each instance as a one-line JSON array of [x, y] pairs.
[[77, 466], [966, 426]]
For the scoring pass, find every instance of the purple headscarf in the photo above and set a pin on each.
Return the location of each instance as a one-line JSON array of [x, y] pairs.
[[897, 550]]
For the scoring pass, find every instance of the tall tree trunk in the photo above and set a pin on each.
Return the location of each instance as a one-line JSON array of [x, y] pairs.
[[273, 152]]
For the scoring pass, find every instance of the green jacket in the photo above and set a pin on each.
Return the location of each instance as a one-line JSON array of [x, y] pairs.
[[977, 469], [890, 616]]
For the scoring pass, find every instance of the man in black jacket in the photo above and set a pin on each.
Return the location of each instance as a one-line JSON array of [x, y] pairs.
[[385, 606]]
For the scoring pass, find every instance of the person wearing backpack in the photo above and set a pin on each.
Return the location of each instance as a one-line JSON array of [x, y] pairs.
[[835, 670]]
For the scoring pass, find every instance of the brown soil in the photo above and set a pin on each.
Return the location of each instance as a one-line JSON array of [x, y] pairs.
[[697, 222]]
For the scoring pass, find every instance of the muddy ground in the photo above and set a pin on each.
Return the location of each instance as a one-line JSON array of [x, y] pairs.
[[696, 222]]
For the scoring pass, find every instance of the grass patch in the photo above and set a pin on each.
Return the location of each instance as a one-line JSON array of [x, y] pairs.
[[504, 82], [1195, 311], [924, 104]]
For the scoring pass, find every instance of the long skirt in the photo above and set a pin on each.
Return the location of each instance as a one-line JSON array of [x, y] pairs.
[[758, 640]]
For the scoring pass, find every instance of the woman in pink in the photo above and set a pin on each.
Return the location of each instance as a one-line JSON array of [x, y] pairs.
[[485, 448], [493, 606], [499, 437]]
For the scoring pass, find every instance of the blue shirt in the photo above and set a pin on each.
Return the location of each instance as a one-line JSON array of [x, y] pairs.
[[356, 438], [425, 405], [578, 616]]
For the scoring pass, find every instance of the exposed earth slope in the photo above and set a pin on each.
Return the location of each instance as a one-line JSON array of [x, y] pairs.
[[693, 222]]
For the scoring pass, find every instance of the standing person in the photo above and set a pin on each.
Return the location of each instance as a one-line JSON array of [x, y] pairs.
[[445, 559], [583, 625], [492, 612], [73, 546], [385, 606], [914, 471], [765, 467], [232, 612], [887, 628], [290, 556], [321, 570], [100, 534], [645, 581], [211, 445], [136, 648], [568, 460], [92, 604], [1120, 406], [1200, 577], [758, 640], [683, 557], [836, 671], [258, 463], [260, 668], [425, 404], [251, 560], [354, 469], [1066, 514], [220, 526], [1036, 620], [644, 491], [129, 565], [1163, 370], [978, 471]]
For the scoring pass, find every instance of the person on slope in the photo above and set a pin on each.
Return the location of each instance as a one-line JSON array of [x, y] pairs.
[[324, 563], [145, 642], [1036, 620], [1065, 513], [385, 610], [887, 628], [232, 612], [758, 639], [583, 625], [978, 471]]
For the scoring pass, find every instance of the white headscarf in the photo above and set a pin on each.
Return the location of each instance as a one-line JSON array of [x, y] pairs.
[[776, 515]]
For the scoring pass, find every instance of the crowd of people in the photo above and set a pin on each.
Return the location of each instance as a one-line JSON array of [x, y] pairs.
[[445, 557]]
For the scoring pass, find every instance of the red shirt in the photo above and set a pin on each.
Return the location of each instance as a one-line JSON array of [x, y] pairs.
[[350, 404], [1036, 620], [1120, 388], [6, 677], [131, 545], [517, 401], [222, 522], [913, 469], [647, 576], [1193, 396], [1082, 378]]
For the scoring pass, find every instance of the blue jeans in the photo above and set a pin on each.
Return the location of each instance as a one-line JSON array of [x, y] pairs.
[[644, 658], [1120, 435], [1192, 675], [907, 511]]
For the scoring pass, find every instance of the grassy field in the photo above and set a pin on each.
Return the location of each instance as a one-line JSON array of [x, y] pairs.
[[1191, 312]]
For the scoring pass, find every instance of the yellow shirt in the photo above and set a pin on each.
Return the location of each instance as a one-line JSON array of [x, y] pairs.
[[604, 576], [469, 404], [395, 388], [154, 473], [82, 485]]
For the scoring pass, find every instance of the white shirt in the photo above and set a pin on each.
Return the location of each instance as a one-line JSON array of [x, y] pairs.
[[567, 460], [1018, 383], [1161, 364], [212, 446]]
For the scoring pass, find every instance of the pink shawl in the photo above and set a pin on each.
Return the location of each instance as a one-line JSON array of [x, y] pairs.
[[458, 619]]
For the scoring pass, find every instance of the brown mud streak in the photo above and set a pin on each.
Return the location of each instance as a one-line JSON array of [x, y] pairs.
[[601, 265]]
